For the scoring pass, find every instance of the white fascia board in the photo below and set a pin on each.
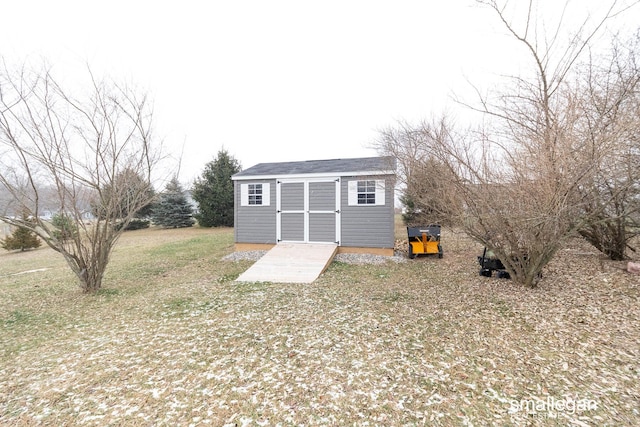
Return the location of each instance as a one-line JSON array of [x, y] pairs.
[[313, 175]]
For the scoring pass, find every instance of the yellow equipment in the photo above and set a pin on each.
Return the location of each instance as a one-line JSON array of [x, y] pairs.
[[424, 240]]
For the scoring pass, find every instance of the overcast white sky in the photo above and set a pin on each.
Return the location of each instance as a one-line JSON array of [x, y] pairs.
[[276, 80]]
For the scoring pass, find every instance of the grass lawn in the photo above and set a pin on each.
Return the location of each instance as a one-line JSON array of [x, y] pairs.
[[172, 340]]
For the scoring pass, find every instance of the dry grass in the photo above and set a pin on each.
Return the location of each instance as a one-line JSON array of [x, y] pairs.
[[172, 340]]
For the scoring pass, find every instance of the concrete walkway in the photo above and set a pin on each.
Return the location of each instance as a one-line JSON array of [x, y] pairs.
[[291, 263]]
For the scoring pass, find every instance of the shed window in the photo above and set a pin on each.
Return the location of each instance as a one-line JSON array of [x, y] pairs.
[[368, 192], [254, 194]]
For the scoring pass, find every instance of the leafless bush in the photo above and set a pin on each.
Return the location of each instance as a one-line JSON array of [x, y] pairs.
[[527, 179], [425, 181], [611, 126], [69, 150]]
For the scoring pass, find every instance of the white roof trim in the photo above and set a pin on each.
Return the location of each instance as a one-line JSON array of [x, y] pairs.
[[313, 175]]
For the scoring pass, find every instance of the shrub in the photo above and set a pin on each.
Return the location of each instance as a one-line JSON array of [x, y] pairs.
[[65, 227], [22, 239]]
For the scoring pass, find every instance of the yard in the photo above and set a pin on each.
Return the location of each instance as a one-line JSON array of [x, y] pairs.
[[172, 340]]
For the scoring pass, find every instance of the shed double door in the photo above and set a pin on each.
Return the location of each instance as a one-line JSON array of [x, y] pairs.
[[308, 211]]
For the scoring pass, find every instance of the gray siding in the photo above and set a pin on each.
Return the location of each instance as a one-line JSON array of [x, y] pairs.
[[322, 227], [292, 199], [322, 196], [255, 224], [292, 196], [367, 225], [292, 227], [361, 226]]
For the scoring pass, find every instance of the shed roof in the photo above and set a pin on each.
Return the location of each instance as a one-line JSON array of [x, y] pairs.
[[356, 166]]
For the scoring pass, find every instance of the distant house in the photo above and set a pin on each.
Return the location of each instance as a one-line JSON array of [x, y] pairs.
[[47, 215], [345, 201], [86, 215]]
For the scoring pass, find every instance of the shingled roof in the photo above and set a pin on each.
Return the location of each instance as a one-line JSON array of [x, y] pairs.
[[359, 166]]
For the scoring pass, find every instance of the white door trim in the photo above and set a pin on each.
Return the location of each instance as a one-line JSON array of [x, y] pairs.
[[306, 211]]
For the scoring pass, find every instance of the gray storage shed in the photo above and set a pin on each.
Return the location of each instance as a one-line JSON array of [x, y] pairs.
[[345, 201]]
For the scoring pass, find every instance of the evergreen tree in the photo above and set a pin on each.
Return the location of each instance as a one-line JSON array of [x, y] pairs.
[[214, 191], [65, 228], [127, 187], [22, 238], [173, 210]]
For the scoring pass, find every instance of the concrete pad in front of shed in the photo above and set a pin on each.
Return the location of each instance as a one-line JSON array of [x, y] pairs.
[[291, 263]]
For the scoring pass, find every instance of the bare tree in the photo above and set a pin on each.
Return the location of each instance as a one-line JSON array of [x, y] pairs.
[[515, 182], [425, 182], [520, 183], [611, 124], [79, 146], [520, 188], [510, 205]]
